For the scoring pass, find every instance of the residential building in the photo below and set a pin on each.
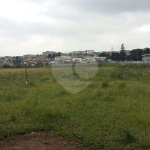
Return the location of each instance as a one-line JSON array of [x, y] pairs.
[[90, 51], [146, 58]]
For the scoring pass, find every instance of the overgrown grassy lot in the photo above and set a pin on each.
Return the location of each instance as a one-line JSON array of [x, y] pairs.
[[113, 112]]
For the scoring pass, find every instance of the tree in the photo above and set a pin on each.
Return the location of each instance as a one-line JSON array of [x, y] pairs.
[[146, 50], [17, 61], [51, 55], [122, 47], [58, 54], [5, 66], [104, 55], [115, 56], [122, 55], [136, 54]]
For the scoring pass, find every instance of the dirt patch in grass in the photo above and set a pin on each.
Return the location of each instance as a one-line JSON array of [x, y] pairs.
[[38, 141]]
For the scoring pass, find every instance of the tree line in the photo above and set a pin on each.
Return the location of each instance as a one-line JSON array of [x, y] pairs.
[[134, 55]]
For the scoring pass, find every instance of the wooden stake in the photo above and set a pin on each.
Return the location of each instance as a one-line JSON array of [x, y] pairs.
[[26, 75]]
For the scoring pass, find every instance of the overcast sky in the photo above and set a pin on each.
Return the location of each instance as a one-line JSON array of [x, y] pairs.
[[34, 26]]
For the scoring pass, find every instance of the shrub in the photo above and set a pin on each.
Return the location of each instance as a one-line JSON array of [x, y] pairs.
[[126, 137], [44, 78], [5, 66]]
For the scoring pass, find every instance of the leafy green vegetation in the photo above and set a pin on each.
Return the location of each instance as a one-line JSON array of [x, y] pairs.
[[111, 113], [126, 55]]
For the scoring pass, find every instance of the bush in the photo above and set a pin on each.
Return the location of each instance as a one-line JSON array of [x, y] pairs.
[[126, 137], [44, 78], [5, 66]]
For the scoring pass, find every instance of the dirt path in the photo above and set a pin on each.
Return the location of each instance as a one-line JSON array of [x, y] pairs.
[[37, 141]]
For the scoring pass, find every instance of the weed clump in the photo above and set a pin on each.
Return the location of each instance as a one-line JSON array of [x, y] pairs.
[[105, 84], [122, 72], [127, 137], [122, 85], [13, 118], [108, 98], [44, 78]]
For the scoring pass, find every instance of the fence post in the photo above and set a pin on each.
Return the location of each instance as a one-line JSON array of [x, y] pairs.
[[26, 75]]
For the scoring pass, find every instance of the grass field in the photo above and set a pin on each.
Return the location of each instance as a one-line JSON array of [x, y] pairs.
[[113, 112]]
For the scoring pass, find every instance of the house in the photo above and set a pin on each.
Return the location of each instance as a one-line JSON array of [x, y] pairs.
[[28, 56], [90, 51], [146, 58], [100, 59], [25, 62], [127, 52], [64, 54], [63, 59], [77, 53], [32, 63], [76, 60]]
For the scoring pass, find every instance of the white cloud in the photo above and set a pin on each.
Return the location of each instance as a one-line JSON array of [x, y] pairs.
[[144, 28], [33, 26], [23, 11]]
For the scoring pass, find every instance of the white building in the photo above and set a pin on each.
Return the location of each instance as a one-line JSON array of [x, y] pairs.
[[146, 58], [76, 60], [90, 51], [100, 59], [76, 53], [63, 59]]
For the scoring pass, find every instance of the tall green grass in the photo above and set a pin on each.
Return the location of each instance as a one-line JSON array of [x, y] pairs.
[[111, 113]]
